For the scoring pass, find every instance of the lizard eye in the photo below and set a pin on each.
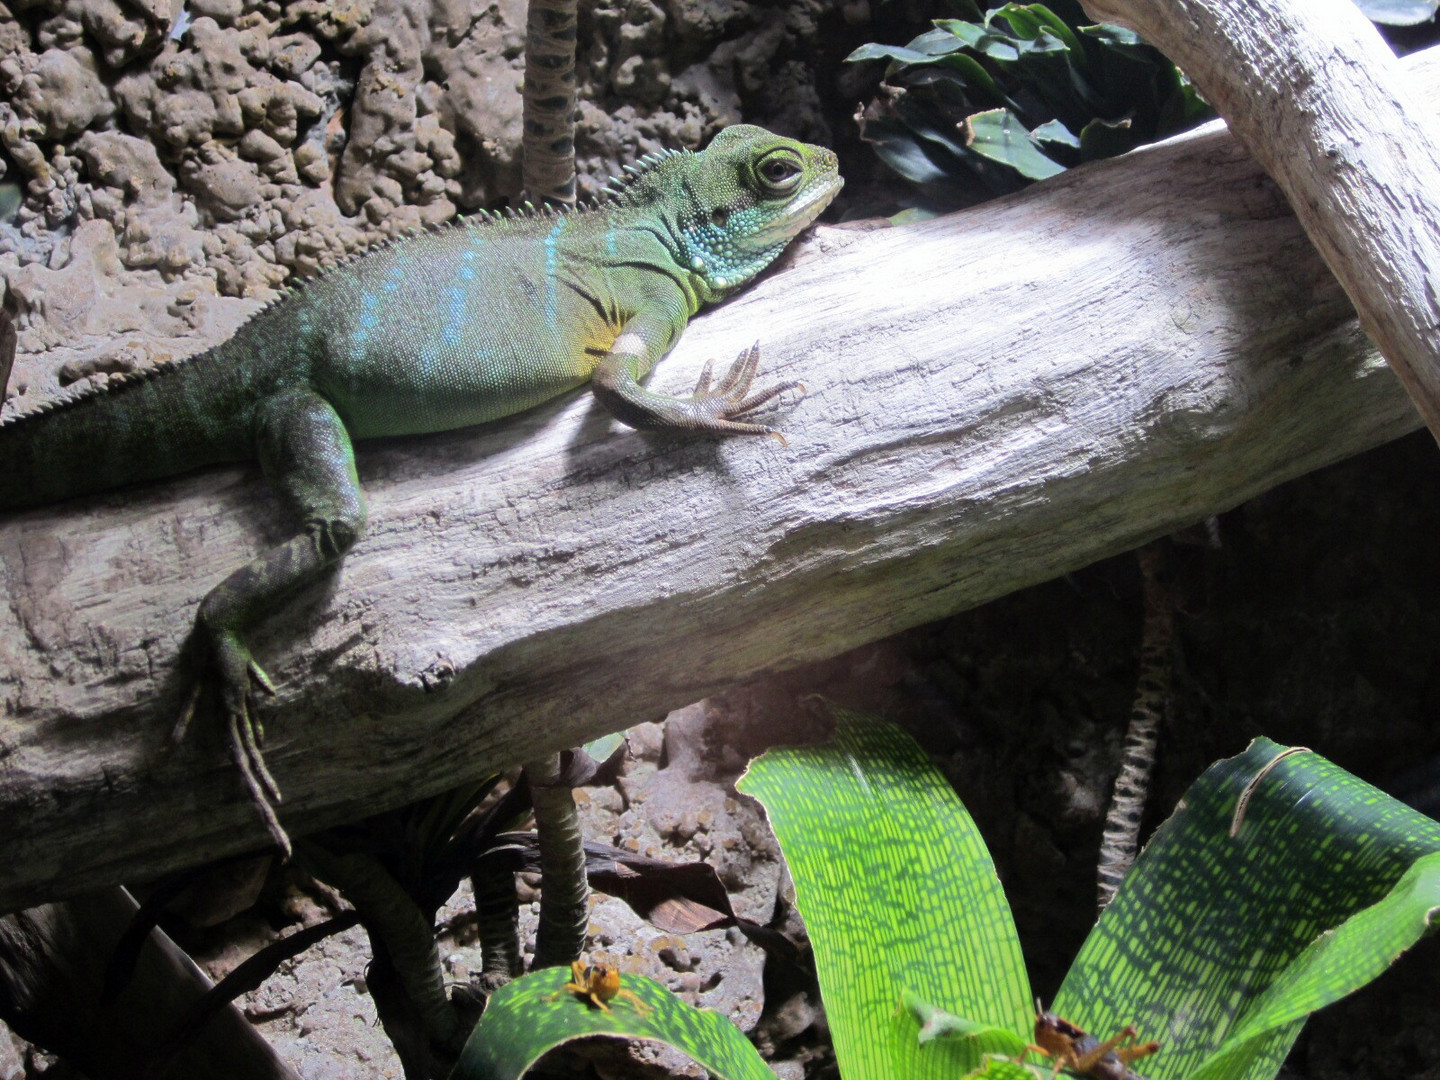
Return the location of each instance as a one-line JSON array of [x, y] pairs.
[[779, 171]]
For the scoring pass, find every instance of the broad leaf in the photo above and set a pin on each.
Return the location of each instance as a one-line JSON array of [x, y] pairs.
[[898, 894], [526, 1018], [896, 53], [1056, 25], [1056, 132], [901, 150], [922, 49], [1219, 947], [1043, 63], [999, 136]]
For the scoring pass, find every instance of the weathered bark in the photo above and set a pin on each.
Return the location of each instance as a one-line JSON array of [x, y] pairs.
[[52, 970], [1312, 91], [996, 397]]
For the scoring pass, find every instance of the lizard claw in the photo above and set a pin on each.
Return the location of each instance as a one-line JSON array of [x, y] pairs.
[[258, 674], [234, 675], [182, 725], [263, 790], [702, 384], [721, 408]]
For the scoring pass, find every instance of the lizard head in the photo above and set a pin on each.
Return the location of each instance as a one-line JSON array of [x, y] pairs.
[[746, 196]]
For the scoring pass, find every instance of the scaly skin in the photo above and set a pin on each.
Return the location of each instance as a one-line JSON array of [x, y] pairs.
[[437, 331]]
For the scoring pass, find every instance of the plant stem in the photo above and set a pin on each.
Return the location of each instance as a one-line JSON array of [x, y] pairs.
[[1121, 840], [564, 889], [548, 165]]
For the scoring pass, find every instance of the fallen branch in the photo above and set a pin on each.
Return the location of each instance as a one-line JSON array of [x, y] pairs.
[[53, 961], [996, 397]]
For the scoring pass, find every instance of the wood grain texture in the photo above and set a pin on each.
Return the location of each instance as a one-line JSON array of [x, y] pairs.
[[1313, 92], [996, 397]]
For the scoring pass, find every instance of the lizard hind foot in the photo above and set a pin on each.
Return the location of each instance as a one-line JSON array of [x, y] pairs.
[[233, 676]]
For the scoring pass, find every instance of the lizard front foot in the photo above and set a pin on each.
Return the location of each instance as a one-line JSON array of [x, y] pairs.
[[234, 675], [719, 408]]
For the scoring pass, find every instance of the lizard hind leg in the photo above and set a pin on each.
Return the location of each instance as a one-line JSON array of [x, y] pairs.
[[305, 453]]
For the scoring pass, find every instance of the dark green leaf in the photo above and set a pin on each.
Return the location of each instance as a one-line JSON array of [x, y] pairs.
[[1045, 64], [1101, 139], [936, 42], [901, 151], [1117, 37], [999, 136], [1018, 16], [969, 68], [888, 52], [965, 33], [1056, 26], [1056, 132]]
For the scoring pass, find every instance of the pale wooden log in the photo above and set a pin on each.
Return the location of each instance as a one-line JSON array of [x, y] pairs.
[[1313, 92], [996, 397]]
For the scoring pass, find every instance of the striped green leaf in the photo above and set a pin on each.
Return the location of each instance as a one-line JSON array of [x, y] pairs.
[[899, 895], [938, 1024], [1220, 946], [532, 1015], [1000, 1068]]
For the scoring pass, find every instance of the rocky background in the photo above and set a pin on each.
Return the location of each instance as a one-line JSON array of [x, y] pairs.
[[167, 167]]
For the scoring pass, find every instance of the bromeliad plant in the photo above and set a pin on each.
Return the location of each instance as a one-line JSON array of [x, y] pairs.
[[1281, 884]]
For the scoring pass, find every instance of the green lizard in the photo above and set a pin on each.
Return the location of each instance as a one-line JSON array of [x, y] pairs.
[[440, 330]]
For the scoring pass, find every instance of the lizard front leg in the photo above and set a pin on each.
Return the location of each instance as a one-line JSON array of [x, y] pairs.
[[305, 452], [647, 337]]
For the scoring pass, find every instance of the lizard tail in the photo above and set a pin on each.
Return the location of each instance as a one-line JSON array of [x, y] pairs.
[[151, 424]]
